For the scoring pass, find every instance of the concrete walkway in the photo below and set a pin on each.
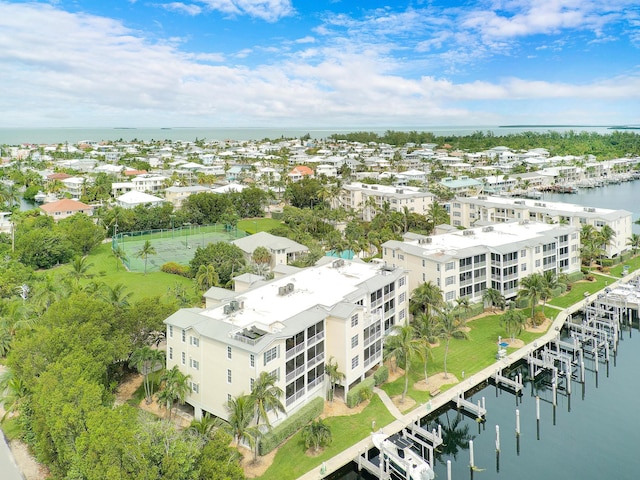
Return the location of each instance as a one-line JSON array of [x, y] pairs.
[[393, 410]]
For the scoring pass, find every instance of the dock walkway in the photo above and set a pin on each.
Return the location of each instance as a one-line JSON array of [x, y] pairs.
[[351, 453]]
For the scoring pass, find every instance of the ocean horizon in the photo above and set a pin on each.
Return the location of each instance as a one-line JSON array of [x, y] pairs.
[[55, 135]]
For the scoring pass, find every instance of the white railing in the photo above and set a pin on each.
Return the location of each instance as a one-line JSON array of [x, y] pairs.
[[295, 350], [291, 375]]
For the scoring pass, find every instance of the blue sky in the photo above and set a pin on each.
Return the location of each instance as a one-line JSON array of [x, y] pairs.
[[315, 63]]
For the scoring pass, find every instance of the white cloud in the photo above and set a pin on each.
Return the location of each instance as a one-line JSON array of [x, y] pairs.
[[268, 10], [307, 39], [180, 7], [78, 69]]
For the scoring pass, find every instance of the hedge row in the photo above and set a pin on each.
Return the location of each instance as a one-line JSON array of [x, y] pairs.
[[381, 375], [360, 392], [176, 269], [273, 438]]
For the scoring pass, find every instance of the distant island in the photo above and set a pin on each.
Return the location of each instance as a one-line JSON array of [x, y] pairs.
[[625, 127], [554, 126]]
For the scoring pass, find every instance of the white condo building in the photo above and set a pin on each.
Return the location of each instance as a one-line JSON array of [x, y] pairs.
[[482, 210], [370, 198], [466, 263], [289, 327]]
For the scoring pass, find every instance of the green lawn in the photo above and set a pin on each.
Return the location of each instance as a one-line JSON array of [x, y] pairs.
[[291, 461], [254, 225], [578, 289], [105, 270]]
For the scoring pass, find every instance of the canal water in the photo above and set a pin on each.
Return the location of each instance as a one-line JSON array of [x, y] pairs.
[[621, 196], [592, 434]]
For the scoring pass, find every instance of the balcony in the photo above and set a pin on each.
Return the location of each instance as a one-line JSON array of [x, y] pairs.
[[295, 350], [297, 396], [295, 373], [315, 339], [314, 383], [373, 359], [315, 360]]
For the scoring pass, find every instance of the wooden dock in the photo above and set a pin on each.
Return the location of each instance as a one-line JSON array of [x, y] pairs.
[[444, 398]]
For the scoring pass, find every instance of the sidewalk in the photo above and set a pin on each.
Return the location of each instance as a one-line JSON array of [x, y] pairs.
[[393, 410]]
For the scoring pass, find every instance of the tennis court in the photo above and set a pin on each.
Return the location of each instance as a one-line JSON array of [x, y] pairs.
[[171, 245]]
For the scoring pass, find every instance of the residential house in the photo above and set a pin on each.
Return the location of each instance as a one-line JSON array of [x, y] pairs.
[[65, 208]]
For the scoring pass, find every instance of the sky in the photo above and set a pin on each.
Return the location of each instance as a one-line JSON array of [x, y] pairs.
[[317, 63]]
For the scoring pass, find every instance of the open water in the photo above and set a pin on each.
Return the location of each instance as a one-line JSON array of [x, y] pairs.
[[17, 136], [592, 434]]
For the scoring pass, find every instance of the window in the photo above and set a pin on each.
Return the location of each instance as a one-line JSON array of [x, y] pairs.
[[402, 298], [355, 361], [170, 331], [401, 315], [450, 280], [354, 341], [450, 266], [354, 320], [228, 397], [523, 253], [195, 364], [537, 263], [195, 387], [450, 296], [195, 341], [523, 267], [184, 335], [251, 382], [538, 249], [275, 373], [402, 280], [170, 353], [228, 375], [229, 353], [400, 257], [184, 358], [270, 354], [252, 360]]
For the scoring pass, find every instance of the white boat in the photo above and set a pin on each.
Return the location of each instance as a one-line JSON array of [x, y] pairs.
[[402, 460], [40, 197]]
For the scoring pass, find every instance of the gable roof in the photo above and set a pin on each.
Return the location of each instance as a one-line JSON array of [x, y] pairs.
[[273, 242]]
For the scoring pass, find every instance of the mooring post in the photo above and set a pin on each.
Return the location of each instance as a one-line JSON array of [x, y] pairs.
[[448, 469], [517, 422], [471, 464], [497, 438], [537, 408]]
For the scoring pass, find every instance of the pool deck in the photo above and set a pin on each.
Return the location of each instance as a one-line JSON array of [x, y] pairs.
[[442, 399]]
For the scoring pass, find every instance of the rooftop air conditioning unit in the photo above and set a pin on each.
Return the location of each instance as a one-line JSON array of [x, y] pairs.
[[227, 309], [290, 287], [467, 232], [234, 305], [282, 291]]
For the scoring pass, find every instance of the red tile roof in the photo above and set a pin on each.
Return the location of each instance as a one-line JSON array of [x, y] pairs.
[[65, 205], [58, 176]]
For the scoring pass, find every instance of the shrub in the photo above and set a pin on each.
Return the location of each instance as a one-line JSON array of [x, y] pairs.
[[522, 303], [360, 392], [538, 319], [176, 269], [606, 262], [291, 425], [381, 375]]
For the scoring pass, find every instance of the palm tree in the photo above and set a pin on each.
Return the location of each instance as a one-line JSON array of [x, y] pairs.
[[176, 387], [115, 295], [147, 360], [207, 277], [79, 269], [450, 327], [335, 376], [146, 250], [493, 297], [265, 395], [532, 287], [551, 282], [317, 434], [45, 292], [403, 347], [425, 354], [13, 392], [261, 255], [437, 214], [241, 412], [513, 321], [463, 305], [205, 426], [426, 298], [634, 242], [605, 236], [120, 255]]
